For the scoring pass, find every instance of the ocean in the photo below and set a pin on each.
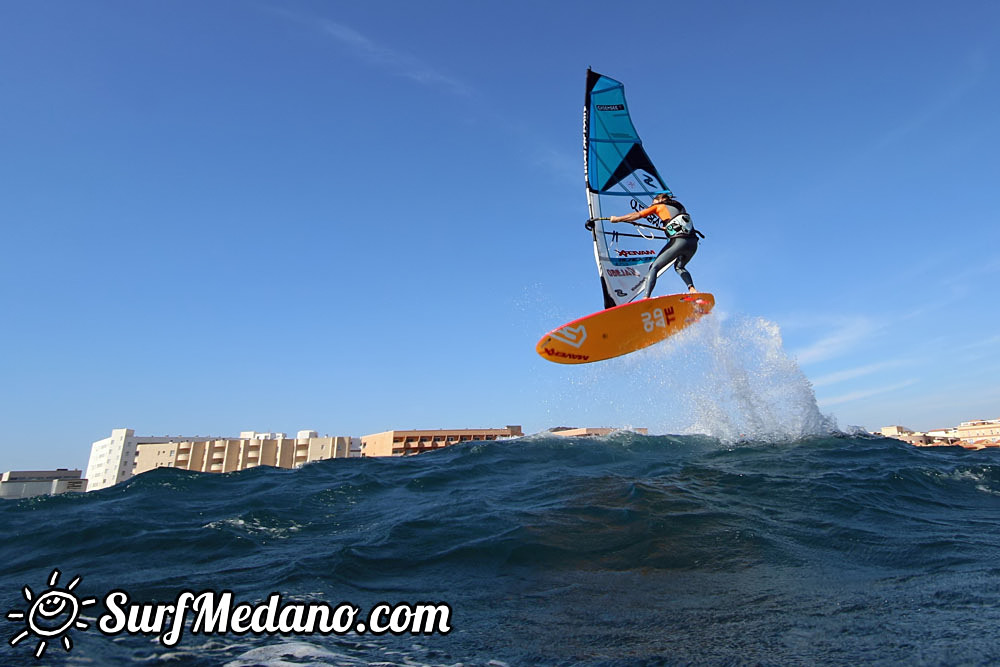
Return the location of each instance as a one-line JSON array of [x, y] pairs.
[[622, 550], [764, 535]]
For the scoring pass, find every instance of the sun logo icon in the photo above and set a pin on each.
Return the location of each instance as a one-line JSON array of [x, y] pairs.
[[51, 615]]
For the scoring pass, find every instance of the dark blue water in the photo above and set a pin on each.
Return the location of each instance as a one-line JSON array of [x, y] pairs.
[[624, 550]]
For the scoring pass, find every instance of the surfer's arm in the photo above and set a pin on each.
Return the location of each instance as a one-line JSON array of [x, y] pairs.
[[632, 217]]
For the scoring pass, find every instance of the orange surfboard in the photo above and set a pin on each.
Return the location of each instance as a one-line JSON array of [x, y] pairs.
[[623, 329]]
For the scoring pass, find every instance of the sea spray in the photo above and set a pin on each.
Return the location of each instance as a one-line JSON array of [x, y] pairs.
[[749, 388]]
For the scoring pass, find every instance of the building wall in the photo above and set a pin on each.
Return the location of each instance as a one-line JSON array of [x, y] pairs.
[[918, 439], [974, 434], [39, 475], [113, 460], [30, 483], [151, 456], [317, 449], [403, 443], [229, 455], [979, 429], [592, 432], [109, 459]]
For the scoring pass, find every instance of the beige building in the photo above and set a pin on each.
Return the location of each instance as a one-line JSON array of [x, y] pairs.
[[987, 430], [971, 434], [568, 432], [906, 435], [251, 449], [402, 443], [895, 431]]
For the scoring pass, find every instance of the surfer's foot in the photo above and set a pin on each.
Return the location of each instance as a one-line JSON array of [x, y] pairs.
[[692, 290]]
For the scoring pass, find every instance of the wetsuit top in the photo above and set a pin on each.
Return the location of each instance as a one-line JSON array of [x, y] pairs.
[[681, 228]]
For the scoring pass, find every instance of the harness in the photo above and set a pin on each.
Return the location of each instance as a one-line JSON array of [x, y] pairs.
[[679, 226]]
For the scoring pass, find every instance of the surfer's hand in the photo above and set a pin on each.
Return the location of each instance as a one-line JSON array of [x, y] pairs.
[[589, 225]]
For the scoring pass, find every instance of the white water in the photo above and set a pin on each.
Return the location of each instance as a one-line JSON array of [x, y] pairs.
[[743, 385]]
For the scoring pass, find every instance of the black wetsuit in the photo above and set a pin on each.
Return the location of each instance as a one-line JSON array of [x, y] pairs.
[[679, 251]]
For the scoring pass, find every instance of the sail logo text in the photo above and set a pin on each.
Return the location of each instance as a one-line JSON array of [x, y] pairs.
[[610, 107], [635, 253], [622, 273]]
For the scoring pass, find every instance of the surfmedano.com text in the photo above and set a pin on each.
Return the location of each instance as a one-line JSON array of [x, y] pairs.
[[214, 613]]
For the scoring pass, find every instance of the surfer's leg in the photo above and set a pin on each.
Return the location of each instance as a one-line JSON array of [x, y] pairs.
[[686, 250], [683, 273], [650, 282], [667, 255]]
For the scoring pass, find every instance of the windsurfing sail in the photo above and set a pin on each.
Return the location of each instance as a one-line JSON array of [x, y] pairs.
[[620, 179]]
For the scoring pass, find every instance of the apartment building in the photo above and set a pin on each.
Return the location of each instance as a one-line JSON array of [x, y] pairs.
[[980, 429], [403, 443], [251, 449], [113, 459], [977, 433], [30, 483]]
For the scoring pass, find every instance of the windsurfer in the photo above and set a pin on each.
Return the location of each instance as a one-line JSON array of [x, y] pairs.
[[683, 243]]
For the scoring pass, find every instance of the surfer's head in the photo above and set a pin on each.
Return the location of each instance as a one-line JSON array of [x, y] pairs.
[[661, 197]]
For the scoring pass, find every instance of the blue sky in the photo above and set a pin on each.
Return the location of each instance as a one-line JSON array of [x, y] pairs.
[[353, 217]]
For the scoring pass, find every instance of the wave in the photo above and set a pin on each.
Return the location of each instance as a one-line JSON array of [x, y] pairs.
[[584, 539]]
